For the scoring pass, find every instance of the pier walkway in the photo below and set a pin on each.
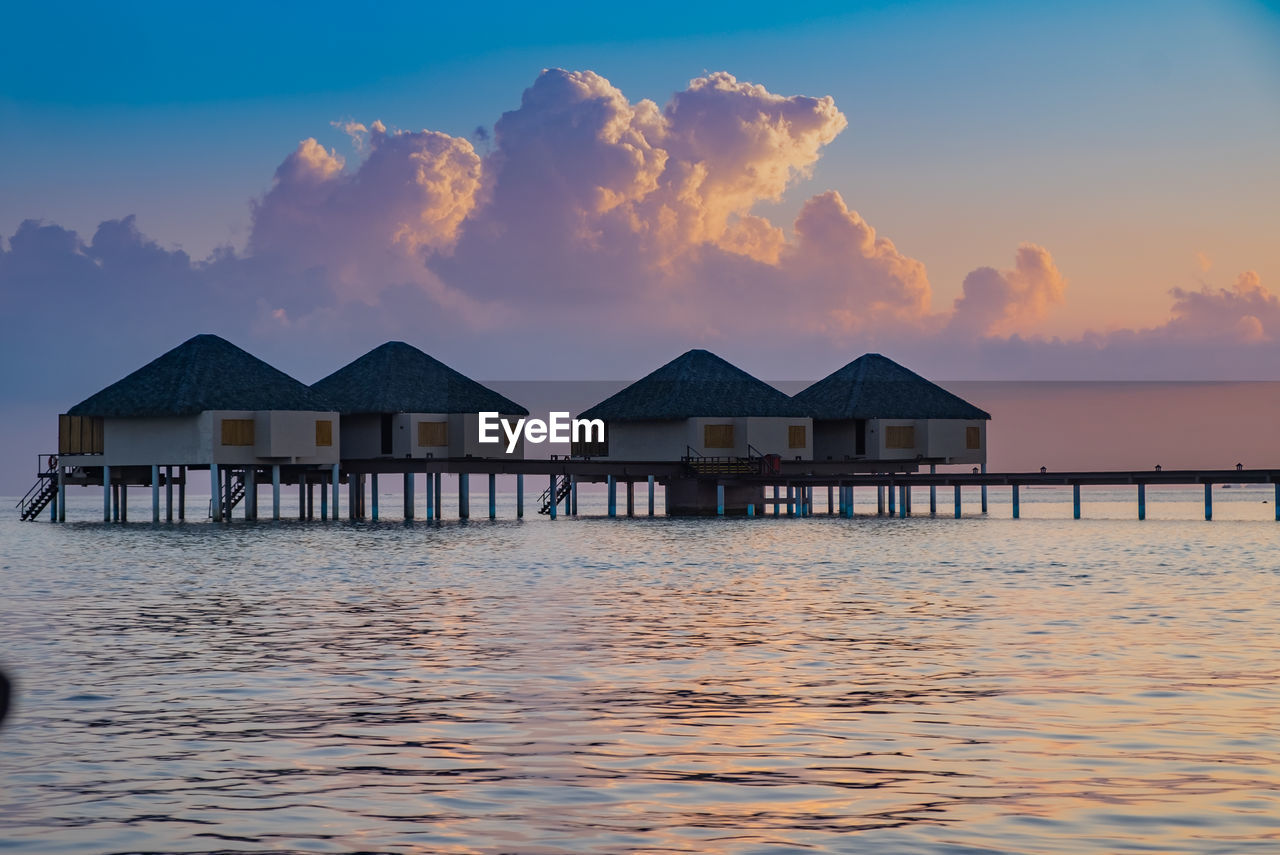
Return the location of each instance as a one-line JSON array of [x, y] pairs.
[[782, 486]]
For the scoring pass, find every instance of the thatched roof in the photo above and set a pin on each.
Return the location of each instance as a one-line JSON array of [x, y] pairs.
[[398, 378], [203, 373], [876, 387], [697, 384]]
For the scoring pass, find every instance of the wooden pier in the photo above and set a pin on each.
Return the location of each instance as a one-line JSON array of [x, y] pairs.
[[781, 488]]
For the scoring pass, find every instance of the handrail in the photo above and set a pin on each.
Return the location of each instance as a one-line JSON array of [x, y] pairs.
[[751, 448], [49, 471], [691, 452]]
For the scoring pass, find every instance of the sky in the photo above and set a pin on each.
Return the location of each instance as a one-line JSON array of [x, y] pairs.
[[982, 191]]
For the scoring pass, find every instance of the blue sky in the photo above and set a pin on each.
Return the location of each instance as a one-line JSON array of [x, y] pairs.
[[1105, 131]]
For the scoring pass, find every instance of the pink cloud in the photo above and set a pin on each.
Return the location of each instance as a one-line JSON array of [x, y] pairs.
[[1003, 302], [624, 227]]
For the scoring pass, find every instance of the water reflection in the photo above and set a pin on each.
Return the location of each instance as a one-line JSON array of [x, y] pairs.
[[659, 686]]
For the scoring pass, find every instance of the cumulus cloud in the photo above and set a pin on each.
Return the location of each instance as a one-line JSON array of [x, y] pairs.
[[627, 227], [1247, 312], [1002, 302]]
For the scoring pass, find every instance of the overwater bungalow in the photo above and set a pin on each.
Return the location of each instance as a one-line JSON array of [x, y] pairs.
[[699, 405], [205, 404], [398, 402], [875, 409]]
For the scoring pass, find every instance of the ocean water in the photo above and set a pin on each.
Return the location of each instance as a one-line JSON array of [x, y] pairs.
[[598, 685]]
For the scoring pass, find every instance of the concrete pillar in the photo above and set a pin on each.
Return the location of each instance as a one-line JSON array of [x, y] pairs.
[[519, 496], [791, 500], [551, 492], [123, 493], [1142, 501], [650, 495], [431, 496], [903, 493], [1208, 501], [933, 492], [719, 499], [1276, 502], [984, 490], [631, 498], [464, 496], [879, 500], [168, 494], [573, 495], [408, 495], [831, 508], [62, 494], [439, 495], [275, 491], [613, 495], [54, 499], [893, 507], [182, 493], [215, 493], [1017, 505], [957, 489], [226, 493], [906, 499], [333, 486], [251, 493], [311, 499], [777, 507], [1075, 501], [373, 495], [324, 497], [493, 497], [751, 510]]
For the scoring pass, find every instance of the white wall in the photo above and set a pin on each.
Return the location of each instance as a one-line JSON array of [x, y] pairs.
[[647, 440], [946, 440], [182, 441], [280, 436], [772, 436], [937, 440], [671, 439]]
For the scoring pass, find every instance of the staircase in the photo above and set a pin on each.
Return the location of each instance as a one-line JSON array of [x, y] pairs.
[[563, 486], [238, 487], [43, 491], [237, 491]]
